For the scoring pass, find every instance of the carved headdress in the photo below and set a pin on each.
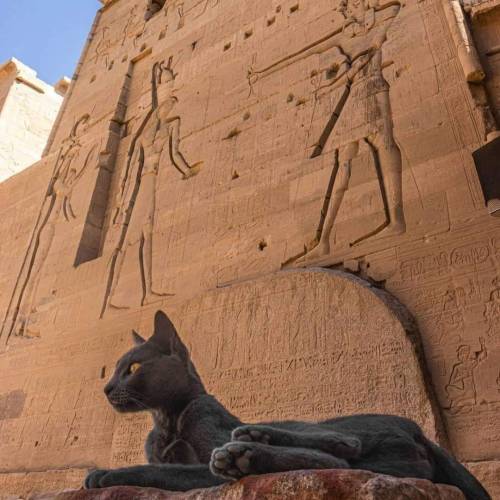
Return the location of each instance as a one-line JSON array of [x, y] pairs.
[[162, 73]]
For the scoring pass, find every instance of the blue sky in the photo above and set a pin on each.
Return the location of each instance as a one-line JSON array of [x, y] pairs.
[[47, 35]]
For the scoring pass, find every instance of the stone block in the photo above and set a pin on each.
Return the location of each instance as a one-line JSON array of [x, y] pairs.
[[301, 485]]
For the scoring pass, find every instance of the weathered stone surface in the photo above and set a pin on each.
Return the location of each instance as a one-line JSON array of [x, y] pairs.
[[301, 485]]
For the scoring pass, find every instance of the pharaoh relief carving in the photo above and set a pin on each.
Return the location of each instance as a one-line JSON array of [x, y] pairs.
[[73, 160], [361, 116], [155, 146]]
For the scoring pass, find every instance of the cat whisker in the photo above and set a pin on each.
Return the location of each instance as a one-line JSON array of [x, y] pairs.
[[138, 402]]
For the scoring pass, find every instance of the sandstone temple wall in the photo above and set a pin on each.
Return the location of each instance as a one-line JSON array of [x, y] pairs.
[[28, 109], [220, 143]]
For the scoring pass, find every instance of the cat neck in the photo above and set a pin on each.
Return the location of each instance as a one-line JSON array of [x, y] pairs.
[[166, 418], [203, 425], [197, 411]]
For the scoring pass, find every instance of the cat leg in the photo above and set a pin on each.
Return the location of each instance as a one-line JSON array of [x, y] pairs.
[[237, 459], [399, 456], [167, 477], [337, 443]]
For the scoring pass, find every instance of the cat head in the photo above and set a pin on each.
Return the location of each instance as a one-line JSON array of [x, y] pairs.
[[156, 374]]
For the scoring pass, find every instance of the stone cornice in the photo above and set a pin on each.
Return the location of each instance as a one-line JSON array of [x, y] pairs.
[[26, 75]]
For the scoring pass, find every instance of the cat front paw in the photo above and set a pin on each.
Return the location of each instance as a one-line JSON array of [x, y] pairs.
[[232, 461], [104, 478], [93, 479], [252, 434]]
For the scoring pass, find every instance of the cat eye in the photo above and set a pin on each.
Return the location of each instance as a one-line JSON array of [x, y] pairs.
[[134, 367]]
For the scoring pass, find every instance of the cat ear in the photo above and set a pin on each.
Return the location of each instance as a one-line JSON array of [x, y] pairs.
[[138, 340], [166, 338]]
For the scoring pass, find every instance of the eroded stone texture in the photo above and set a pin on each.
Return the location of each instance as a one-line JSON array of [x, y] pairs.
[[301, 485], [219, 141]]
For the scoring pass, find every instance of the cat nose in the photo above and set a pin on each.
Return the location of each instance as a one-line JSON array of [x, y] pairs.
[[108, 389]]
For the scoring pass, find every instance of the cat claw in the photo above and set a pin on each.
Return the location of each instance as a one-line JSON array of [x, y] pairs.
[[232, 461], [250, 434]]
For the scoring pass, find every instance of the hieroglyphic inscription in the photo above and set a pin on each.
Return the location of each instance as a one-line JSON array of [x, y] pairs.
[[128, 440], [315, 358], [441, 262]]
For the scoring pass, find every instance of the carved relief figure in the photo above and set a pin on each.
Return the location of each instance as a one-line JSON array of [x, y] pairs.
[[103, 47], [461, 388], [492, 309], [449, 326], [134, 26], [154, 147], [361, 115], [68, 171], [182, 16]]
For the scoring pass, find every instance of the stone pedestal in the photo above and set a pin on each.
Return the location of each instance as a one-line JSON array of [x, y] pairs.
[[300, 485]]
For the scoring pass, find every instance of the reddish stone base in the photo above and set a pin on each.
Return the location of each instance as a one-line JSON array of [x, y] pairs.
[[300, 485]]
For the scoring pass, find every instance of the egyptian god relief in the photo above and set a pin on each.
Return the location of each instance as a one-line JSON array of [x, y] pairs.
[[154, 147], [361, 114], [74, 158]]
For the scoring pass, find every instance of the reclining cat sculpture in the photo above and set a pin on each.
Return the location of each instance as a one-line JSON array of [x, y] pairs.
[[197, 443]]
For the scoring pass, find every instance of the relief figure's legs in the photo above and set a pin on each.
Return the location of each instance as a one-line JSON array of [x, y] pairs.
[[321, 246], [387, 156], [132, 236], [237, 459], [43, 243], [147, 205], [119, 257], [146, 263], [391, 165]]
